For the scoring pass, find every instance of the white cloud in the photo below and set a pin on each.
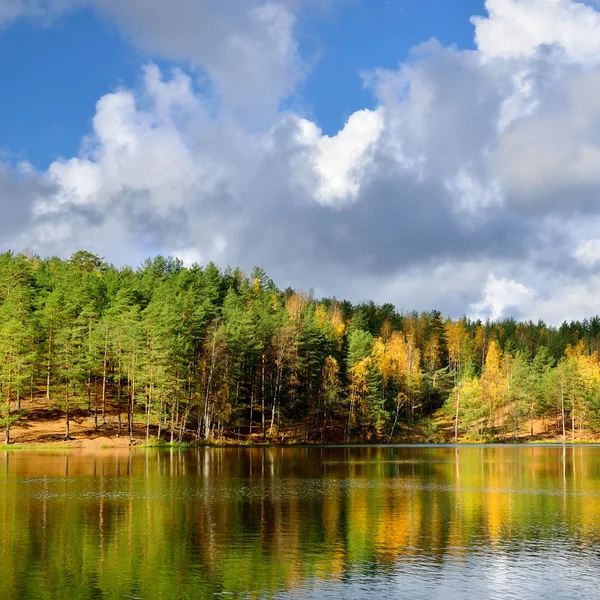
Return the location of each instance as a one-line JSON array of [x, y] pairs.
[[128, 146], [340, 162], [520, 103], [570, 301], [588, 253], [473, 195], [246, 47], [517, 28], [553, 155], [473, 162], [138, 161], [559, 298], [500, 294]]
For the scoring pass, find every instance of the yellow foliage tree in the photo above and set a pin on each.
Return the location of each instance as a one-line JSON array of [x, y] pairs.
[[456, 335], [401, 368], [493, 382]]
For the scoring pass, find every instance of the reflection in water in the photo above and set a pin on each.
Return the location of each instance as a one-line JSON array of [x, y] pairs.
[[417, 522]]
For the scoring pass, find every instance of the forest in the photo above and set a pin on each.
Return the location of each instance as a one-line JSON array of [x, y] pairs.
[[206, 355]]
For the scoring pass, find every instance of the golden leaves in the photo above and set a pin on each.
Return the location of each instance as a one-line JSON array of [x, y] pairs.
[[401, 360]]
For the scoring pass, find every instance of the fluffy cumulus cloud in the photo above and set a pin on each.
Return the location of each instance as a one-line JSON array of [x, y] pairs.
[[500, 294], [473, 186], [246, 48], [520, 28]]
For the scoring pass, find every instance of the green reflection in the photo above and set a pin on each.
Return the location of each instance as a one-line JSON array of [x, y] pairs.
[[253, 522]]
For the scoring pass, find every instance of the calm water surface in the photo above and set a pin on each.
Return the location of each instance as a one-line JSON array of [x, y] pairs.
[[359, 522]]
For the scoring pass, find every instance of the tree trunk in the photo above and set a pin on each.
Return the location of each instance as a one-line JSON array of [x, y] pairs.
[[67, 427], [395, 420], [90, 370], [48, 364], [207, 407], [456, 418], [104, 369], [562, 406], [263, 396], [251, 412], [131, 404], [531, 418], [174, 411], [7, 433], [95, 406], [275, 396], [183, 424], [271, 429], [119, 388], [573, 412], [89, 391], [8, 392], [148, 401], [160, 412]]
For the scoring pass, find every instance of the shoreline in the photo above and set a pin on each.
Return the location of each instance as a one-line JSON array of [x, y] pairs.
[[107, 443], [46, 432]]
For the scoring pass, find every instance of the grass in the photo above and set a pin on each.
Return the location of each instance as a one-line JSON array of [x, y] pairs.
[[567, 442], [14, 447], [154, 442]]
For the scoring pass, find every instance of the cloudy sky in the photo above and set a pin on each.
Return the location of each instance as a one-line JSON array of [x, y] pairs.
[[430, 153]]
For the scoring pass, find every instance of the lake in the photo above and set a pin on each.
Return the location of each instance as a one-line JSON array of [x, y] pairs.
[[336, 522]]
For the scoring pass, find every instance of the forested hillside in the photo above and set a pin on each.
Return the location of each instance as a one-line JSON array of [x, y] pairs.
[[199, 353]]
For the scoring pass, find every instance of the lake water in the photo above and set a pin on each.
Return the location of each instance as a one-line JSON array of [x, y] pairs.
[[346, 522]]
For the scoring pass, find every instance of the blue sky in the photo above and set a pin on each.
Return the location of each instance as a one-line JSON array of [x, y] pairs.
[[52, 77], [377, 34], [53, 74], [464, 178]]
